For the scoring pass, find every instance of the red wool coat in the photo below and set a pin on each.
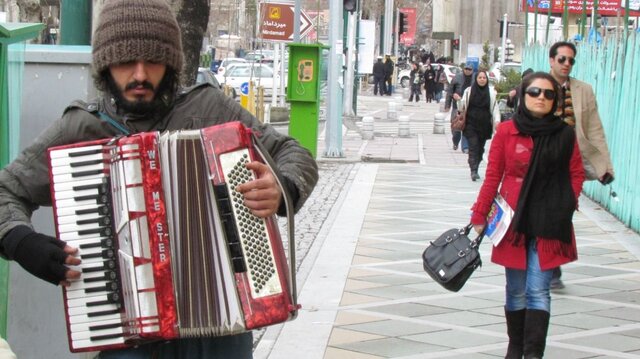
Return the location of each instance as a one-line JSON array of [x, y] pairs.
[[509, 158]]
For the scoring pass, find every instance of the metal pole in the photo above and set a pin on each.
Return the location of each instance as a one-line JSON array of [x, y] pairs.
[[333, 126], [565, 21], [283, 79], [296, 22], [75, 22], [396, 37], [349, 75], [535, 24], [503, 53], [388, 26]]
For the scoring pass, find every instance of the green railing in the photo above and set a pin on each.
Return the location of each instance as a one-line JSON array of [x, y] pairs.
[[613, 69]]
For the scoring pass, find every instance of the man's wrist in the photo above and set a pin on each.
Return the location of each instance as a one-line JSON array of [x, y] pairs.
[[12, 240]]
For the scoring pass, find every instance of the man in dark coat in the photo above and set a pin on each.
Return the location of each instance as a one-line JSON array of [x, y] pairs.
[[388, 73], [456, 89], [379, 77]]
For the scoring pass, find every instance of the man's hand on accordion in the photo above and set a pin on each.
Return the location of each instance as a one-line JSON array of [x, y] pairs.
[[43, 256], [262, 195]]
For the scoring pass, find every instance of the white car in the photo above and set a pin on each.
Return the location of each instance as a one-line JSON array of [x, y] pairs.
[[450, 70], [239, 74], [226, 63], [496, 72]]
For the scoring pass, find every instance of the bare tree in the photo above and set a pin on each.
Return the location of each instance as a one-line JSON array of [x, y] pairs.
[[193, 17], [30, 10]]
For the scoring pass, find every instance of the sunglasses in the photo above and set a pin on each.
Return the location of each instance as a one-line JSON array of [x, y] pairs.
[[562, 59], [536, 91]]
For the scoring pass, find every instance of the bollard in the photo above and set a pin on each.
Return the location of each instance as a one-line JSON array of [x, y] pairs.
[[367, 128], [403, 126], [399, 102], [406, 92], [392, 114], [438, 122], [442, 102]]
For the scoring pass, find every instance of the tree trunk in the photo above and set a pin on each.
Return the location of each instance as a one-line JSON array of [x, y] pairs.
[[30, 11], [193, 17]]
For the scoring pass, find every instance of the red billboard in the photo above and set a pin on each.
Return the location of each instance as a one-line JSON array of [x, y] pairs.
[[409, 37], [605, 7]]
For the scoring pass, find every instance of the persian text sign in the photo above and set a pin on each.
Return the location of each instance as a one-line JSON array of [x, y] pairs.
[[276, 22], [605, 7]]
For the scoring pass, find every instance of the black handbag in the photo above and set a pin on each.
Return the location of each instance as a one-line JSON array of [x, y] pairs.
[[452, 257]]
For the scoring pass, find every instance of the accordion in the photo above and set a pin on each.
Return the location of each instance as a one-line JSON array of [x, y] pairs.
[[168, 248]]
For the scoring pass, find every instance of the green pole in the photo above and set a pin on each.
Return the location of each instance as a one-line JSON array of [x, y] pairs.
[[75, 22], [526, 25], [4, 160], [565, 21], [626, 20]]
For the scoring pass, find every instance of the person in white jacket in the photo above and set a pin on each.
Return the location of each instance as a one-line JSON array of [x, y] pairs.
[[5, 350], [479, 102]]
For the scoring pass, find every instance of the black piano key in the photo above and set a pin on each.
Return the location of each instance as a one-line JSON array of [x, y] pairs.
[[87, 173], [105, 337], [108, 264], [106, 254], [101, 221], [108, 287], [108, 275], [103, 210], [101, 187], [85, 153], [103, 312], [100, 198], [112, 298], [102, 231], [105, 326], [104, 243], [86, 163]]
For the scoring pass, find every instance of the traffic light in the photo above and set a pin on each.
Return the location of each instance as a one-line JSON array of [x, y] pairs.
[[403, 23], [456, 44], [350, 5]]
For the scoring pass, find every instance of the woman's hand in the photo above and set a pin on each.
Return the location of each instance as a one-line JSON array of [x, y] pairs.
[[478, 228]]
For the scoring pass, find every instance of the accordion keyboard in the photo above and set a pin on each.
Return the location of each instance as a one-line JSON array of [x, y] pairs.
[[80, 178]]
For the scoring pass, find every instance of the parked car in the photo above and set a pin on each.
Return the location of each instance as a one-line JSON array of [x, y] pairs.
[[206, 75], [225, 63], [497, 71], [450, 70], [240, 73]]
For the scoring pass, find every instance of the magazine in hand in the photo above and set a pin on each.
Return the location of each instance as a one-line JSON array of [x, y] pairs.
[[498, 220]]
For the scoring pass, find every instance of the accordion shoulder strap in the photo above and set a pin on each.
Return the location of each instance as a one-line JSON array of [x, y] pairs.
[[104, 117]]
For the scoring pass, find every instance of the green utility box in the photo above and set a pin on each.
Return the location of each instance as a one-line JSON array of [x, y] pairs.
[[303, 92], [12, 43]]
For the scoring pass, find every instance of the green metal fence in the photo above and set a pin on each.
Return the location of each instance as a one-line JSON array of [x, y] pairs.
[[613, 69]]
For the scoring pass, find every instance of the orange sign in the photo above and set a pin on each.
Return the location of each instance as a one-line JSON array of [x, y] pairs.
[[276, 22]]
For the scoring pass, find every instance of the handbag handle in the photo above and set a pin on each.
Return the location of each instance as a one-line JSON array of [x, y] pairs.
[[467, 229]]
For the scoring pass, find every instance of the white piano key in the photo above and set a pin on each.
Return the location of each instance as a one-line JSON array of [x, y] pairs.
[[72, 227], [63, 203], [82, 302], [74, 193], [84, 327], [68, 177], [68, 186], [81, 344], [82, 286], [86, 311], [60, 153], [84, 318], [55, 171], [72, 210], [67, 161], [85, 335], [70, 236], [75, 218]]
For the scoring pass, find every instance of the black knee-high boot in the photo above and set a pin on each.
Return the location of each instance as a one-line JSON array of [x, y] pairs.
[[515, 330], [536, 324]]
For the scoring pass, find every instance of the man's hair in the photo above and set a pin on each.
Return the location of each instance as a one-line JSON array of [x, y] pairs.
[[135, 30], [553, 51]]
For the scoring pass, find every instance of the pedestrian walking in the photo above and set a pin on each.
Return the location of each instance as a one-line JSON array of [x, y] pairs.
[[441, 82], [429, 83], [379, 77], [389, 67], [536, 166], [479, 102], [579, 109], [415, 79], [137, 61], [454, 93]]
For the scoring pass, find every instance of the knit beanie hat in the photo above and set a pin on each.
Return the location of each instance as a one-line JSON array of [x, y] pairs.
[[130, 30]]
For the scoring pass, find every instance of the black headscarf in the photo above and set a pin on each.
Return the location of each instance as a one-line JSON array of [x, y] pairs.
[[547, 202], [479, 117]]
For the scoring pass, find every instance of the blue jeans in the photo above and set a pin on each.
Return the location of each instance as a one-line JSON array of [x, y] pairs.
[[529, 289], [232, 346], [457, 138]]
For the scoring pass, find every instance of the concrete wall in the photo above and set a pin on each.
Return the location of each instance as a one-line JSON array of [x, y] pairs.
[[53, 77]]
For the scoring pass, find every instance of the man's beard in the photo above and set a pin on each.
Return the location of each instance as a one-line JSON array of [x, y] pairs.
[[140, 106]]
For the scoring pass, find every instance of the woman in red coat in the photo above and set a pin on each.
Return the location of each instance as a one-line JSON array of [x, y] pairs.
[[535, 162]]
